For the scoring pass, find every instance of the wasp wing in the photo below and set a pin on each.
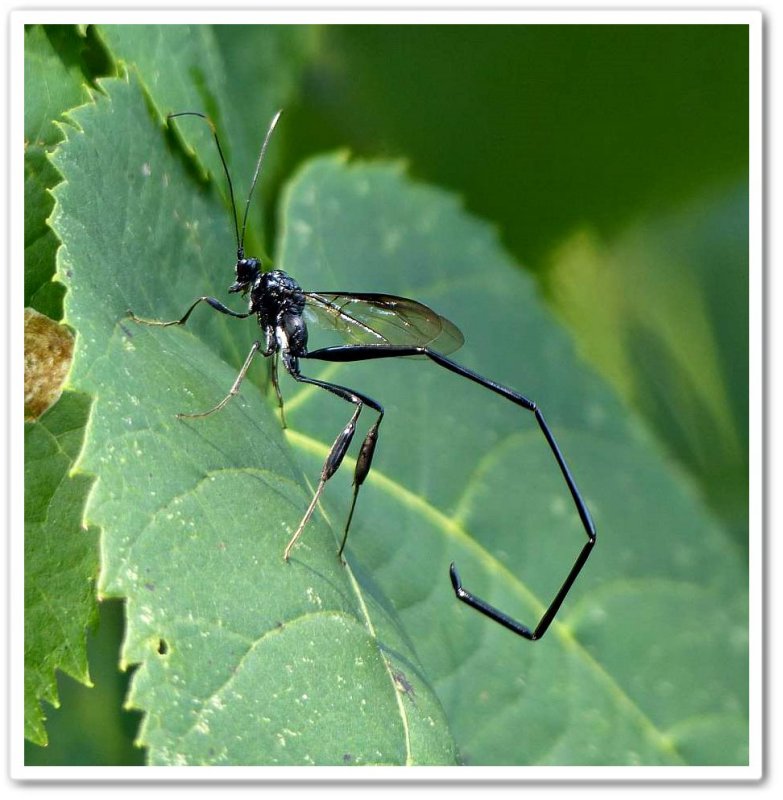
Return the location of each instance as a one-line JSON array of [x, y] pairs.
[[364, 318]]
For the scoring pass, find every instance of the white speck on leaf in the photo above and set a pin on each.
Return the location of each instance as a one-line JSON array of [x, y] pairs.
[[202, 726], [313, 597], [391, 240], [302, 229], [558, 506], [596, 415]]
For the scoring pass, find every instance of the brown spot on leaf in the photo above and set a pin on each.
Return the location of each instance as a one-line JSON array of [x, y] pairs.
[[48, 350]]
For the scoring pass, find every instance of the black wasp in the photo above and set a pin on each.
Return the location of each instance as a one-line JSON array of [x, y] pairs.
[[378, 326]]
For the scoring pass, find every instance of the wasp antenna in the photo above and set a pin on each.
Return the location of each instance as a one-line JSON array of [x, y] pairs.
[[268, 136], [212, 127]]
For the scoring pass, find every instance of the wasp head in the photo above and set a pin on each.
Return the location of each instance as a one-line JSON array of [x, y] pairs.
[[247, 272]]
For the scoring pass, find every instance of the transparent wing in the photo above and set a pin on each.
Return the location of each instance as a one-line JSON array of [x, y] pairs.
[[383, 319]]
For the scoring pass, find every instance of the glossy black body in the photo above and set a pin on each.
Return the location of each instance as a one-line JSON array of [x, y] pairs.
[[278, 303]]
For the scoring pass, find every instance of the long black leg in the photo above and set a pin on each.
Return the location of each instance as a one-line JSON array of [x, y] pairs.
[[339, 447], [216, 304], [347, 353]]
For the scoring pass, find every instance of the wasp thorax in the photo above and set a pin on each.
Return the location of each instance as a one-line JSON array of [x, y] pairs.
[[276, 293], [280, 284]]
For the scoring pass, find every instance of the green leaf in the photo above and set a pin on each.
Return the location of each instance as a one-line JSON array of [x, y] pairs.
[[52, 85], [61, 559], [243, 658], [651, 645], [239, 75], [60, 556], [647, 660], [90, 728]]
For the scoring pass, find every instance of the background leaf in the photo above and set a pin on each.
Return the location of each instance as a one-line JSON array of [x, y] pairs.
[[90, 726], [54, 83], [61, 558]]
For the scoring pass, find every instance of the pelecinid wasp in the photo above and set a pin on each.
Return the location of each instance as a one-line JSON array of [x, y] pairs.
[[377, 326]]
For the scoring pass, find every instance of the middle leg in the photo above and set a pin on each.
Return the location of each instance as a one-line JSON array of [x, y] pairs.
[[234, 390]]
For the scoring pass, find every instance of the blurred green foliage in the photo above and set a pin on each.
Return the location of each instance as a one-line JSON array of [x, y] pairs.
[[542, 128], [86, 710], [614, 161], [635, 136]]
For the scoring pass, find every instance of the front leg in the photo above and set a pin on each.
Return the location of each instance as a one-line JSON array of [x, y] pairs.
[[213, 302], [234, 388]]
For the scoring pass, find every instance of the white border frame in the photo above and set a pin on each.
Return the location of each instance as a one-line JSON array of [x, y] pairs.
[[442, 15]]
